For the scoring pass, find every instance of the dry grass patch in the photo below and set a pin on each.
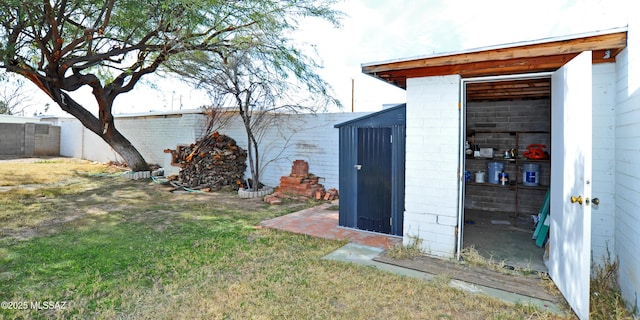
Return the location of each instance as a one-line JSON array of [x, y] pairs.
[[473, 257], [605, 300], [281, 276], [118, 249], [47, 171], [406, 252]]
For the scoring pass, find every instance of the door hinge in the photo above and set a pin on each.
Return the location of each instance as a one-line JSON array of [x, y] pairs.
[[391, 221], [391, 139]]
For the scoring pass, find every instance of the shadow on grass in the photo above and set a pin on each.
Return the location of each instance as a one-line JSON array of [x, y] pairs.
[[109, 200], [134, 250], [116, 233], [102, 258]]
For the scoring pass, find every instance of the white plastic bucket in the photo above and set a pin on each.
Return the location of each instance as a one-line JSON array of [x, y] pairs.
[[495, 168], [530, 174], [480, 176]]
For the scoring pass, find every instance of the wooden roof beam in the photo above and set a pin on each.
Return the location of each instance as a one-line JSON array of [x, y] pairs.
[[593, 43], [517, 59]]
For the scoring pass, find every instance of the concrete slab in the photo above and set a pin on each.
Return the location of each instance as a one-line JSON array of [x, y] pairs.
[[364, 255], [501, 240]]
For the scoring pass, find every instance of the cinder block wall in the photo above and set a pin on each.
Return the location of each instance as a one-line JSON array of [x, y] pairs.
[[12, 139], [297, 136], [46, 140], [503, 119], [304, 136], [151, 134], [29, 139], [431, 196]]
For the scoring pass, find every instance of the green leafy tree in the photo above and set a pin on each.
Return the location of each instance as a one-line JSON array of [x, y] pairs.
[[110, 45]]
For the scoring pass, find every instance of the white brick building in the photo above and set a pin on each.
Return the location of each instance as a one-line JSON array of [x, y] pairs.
[[435, 134], [432, 207], [594, 100]]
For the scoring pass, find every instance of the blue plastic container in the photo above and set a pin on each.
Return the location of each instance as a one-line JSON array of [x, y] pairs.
[[494, 170]]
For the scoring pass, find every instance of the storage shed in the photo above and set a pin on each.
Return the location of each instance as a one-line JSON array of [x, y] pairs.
[[589, 86], [371, 166]]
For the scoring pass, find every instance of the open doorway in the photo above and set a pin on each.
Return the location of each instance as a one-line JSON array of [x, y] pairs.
[[507, 133]]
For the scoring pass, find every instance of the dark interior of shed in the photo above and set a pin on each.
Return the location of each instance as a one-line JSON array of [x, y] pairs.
[[504, 189]]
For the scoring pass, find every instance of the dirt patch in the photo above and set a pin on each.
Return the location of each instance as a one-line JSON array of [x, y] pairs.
[[36, 186], [23, 159]]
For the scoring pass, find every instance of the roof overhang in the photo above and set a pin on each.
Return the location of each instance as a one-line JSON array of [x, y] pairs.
[[518, 58]]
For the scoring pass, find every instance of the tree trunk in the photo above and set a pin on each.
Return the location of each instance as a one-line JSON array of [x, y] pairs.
[[252, 152], [134, 160], [255, 170], [106, 131]]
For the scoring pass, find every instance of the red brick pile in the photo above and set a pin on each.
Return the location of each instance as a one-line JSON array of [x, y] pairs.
[[300, 184]]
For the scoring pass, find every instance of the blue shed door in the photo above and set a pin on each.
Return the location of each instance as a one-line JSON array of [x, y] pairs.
[[374, 179]]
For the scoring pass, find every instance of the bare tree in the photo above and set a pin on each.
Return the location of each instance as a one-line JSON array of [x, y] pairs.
[[259, 89], [15, 97]]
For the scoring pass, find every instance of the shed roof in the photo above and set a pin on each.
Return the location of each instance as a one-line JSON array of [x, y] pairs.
[[517, 58], [389, 116]]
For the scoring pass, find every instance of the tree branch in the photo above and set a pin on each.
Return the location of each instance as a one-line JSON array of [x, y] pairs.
[[106, 10], [56, 39], [40, 42]]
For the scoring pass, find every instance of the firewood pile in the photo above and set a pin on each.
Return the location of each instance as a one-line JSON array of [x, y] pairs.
[[302, 185], [212, 162]]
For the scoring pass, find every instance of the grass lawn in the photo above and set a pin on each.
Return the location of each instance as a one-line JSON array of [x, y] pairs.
[[86, 244]]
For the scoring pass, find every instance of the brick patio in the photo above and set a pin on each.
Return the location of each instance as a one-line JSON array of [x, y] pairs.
[[323, 223]]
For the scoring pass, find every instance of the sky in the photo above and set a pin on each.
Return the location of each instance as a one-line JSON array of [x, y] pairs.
[[379, 30], [383, 30]]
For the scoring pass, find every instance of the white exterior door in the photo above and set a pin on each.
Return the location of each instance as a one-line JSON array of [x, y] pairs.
[[569, 261]]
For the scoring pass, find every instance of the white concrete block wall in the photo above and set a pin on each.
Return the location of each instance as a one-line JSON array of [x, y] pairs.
[[315, 141], [151, 134], [303, 136], [95, 149], [308, 137], [603, 215], [71, 138], [627, 166], [431, 195]]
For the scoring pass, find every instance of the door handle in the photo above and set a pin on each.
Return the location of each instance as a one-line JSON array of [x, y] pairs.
[[595, 201], [358, 167], [577, 199]]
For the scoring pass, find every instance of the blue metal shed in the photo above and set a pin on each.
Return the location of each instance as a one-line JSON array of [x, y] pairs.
[[371, 168]]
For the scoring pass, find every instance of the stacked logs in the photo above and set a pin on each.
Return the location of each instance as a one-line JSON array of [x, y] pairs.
[[213, 162]]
